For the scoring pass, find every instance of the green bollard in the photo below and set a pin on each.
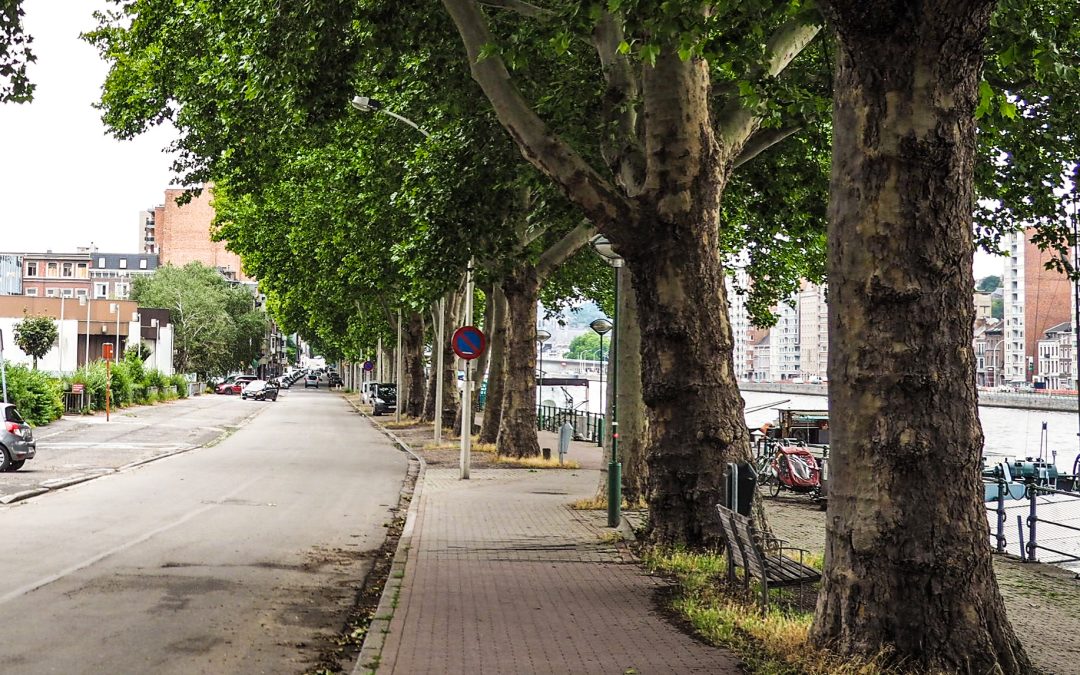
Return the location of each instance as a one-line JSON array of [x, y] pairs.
[[600, 431]]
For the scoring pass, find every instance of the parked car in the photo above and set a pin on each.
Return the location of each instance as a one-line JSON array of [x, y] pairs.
[[260, 390], [334, 379], [17, 442], [384, 399], [367, 391], [312, 380], [234, 385]]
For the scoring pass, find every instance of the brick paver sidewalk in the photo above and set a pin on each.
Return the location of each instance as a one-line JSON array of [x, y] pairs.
[[504, 578]]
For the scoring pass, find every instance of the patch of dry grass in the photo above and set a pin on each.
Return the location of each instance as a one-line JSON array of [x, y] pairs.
[[534, 463], [774, 643], [600, 504], [405, 423]]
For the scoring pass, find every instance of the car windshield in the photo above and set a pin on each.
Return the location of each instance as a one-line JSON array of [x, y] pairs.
[[387, 391], [256, 384], [12, 415]]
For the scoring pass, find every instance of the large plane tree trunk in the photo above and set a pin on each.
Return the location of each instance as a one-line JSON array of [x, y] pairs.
[[632, 418], [517, 429], [696, 422], [493, 405], [907, 562], [413, 348]]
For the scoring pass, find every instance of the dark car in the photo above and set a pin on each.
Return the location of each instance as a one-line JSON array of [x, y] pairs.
[[234, 385], [260, 390], [384, 399], [17, 442], [334, 379]]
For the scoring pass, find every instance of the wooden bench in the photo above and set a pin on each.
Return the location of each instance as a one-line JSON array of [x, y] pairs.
[[768, 564]]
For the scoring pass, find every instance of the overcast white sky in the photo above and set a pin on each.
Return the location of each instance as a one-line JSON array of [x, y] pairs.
[[63, 181]]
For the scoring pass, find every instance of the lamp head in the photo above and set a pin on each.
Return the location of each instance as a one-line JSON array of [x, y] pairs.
[[601, 326], [542, 335], [606, 251], [365, 104]]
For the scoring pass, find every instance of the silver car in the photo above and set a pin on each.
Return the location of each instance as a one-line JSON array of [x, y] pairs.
[[17, 442]]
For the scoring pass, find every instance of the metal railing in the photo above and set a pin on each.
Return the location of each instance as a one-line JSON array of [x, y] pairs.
[[587, 426], [1047, 520]]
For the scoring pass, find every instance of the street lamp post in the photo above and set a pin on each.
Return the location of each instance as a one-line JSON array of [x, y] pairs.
[[60, 332], [601, 327], [542, 336], [603, 247], [84, 300], [115, 307], [156, 325]]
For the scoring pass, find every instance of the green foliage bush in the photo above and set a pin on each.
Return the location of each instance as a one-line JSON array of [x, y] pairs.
[[36, 395], [181, 384]]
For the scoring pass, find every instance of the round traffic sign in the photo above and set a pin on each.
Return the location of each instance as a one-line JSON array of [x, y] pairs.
[[369, 365], [468, 342]]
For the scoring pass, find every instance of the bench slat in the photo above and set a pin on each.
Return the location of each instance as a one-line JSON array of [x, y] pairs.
[[776, 570]]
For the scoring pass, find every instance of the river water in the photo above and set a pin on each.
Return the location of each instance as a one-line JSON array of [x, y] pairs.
[[1009, 433]]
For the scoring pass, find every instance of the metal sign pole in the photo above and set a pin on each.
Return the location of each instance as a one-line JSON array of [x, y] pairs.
[[398, 367], [440, 347], [466, 394]]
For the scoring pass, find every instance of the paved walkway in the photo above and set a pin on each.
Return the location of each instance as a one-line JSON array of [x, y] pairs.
[[503, 577]]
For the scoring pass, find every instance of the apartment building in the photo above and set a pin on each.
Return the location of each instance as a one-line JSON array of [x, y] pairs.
[[56, 275], [112, 274], [181, 234], [813, 330], [147, 241], [989, 352], [740, 325], [1035, 300], [1056, 352], [10, 274]]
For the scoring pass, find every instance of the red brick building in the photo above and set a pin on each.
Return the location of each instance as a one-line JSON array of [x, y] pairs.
[[182, 235]]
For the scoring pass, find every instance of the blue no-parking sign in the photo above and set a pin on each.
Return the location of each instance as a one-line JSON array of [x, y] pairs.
[[468, 342]]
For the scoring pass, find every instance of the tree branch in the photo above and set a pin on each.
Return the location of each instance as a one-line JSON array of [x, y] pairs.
[[624, 154], [560, 251], [554, 157], [519, 6], [762, 141], [736, 124]]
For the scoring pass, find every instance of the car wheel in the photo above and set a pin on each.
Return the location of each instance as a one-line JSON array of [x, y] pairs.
[[229, 391], [15, 466], [5, 459]]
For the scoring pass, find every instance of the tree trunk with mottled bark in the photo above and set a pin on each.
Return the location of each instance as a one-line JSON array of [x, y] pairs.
[[493, 406], [517, 429], [632, 422], [908, 567], [413, 351]]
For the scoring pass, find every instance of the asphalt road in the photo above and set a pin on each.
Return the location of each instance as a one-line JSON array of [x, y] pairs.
[[242, 557]]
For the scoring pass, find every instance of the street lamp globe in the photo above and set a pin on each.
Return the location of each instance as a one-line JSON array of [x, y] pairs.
[[606, 251], [601, 326], [542, 336]]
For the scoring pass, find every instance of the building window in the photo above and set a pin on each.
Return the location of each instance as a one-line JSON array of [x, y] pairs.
[[101, 262], [80, 292], [142, 264], [122, 290], [32, 292], [31, 269], [67, 270], [101, 289], [81, 270], [123, 263], [52, 269], [50, 293], [67, 293]]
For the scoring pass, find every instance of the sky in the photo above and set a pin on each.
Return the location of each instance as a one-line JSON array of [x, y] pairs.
[[63, 181]]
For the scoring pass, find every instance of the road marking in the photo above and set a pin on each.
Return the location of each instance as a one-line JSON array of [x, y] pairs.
[[45, 581]]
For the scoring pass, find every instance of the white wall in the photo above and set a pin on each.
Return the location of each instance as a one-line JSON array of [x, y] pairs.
[[67, 342]]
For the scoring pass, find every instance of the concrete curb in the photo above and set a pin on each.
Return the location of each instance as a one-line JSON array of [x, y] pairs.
[[61, 483], [371, 649]]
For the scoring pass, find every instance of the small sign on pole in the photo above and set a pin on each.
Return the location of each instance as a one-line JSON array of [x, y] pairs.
[[369, 366], [107, 351]]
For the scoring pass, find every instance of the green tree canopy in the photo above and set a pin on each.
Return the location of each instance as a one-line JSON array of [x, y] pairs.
[[36, 335], [15, 54], [988, 284], [586, 346], [216, 325]]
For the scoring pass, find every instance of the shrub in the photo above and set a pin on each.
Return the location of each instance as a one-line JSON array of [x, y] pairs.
[[181, 384], [37, 395]]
